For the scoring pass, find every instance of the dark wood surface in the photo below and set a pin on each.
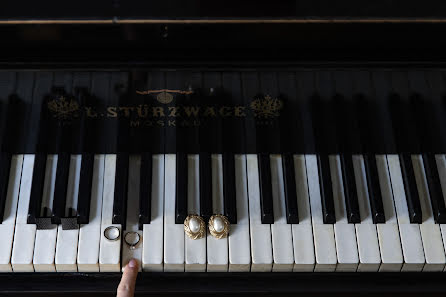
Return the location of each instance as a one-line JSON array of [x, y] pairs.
[[122, 10], [253, 284], [126, 46]]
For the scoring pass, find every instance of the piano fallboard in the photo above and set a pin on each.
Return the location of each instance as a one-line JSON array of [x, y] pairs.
[[295, 110]]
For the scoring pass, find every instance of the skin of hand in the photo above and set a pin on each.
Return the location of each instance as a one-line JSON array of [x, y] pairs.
[[126, 287]]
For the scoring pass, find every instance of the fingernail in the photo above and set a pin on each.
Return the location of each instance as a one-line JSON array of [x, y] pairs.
[[132, 263]]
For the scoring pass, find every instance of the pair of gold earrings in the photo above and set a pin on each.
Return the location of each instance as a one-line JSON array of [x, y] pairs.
[[195, 227]]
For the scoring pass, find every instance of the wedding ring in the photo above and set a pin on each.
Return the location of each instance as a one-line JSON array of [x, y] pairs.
[[219, 226], [194, 226], [112, 233], [132, 239]]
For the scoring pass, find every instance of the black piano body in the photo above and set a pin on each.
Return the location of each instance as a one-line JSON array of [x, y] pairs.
[[138, 40]]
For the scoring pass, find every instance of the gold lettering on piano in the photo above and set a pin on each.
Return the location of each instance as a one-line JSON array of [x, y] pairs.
[[225, 111], [173, 111], [158, 111], [239, 111], [126, 110], [112, 112], [209, 112], [134, 124], [191, 110], [265, 109], [143, 111], [91, 113]]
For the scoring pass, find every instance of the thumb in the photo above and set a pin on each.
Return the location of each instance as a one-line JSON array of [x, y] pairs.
[[126, 287]]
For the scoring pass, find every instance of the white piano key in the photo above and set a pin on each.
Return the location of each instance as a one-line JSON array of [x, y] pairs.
[[132, 220], [173, 233], [239, 247], [302, 232], [441, 165], [195, 250], [9, 217], [409, 233], [217, 249], [430, 232], [324, 240], [109, 251], [152, 253], [345, 233], [24, 234], [366, 234], [67, 240], [261, 245], [281, 236], [45, 244], [388, 233], [90, 234]]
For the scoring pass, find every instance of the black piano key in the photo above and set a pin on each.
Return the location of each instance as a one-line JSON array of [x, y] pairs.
[[266, 193], [289, 183], [205, 186], [350, 193], [5, 166], [145, 190], [181, 188], [410, 188], [121, 189], [434, 187], [85, 184], [60, 187], [374, 189], [35, 199], [229, 193], [325, 184]]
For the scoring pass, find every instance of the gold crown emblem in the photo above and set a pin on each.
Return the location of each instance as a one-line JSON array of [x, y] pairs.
[[266, 107], [63, 108], [164, 98]]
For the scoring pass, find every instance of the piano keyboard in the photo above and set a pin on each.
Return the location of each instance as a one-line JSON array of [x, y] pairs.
[[288, 212]]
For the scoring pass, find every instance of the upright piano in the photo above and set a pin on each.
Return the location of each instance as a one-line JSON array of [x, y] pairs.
[[317, 128]]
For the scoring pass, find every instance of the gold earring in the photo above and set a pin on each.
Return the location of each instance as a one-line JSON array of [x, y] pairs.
[[194, 226], [219, 226]]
